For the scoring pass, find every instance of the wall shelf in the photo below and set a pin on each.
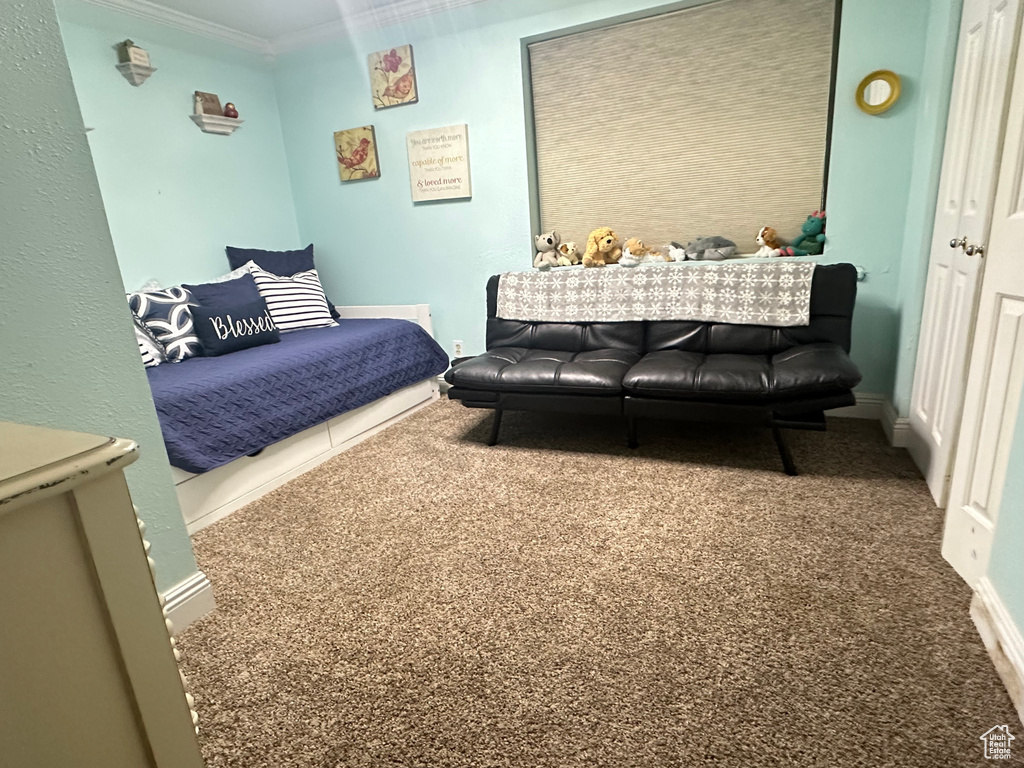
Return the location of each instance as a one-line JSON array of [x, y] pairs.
[[224, 126], [136, 74]]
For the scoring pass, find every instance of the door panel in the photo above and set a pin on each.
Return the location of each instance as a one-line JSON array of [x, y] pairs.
[[985, 55], [996, 372]]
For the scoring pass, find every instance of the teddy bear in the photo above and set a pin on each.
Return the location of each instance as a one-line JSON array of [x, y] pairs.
[[768, 239], [547, 250], [635, 252], [811, 241], [567, 254], [602, 248]]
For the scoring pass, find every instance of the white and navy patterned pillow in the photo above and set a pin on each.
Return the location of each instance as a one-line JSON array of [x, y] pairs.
[[294, 302], [167, 315], [149, 348]]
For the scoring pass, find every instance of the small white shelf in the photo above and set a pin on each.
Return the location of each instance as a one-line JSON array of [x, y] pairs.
[[225, 126], [136, 74]]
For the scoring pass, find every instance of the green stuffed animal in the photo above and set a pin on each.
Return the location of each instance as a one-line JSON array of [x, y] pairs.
[[811, 241]]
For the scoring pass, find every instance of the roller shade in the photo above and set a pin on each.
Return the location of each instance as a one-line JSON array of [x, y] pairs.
[[706, 121]]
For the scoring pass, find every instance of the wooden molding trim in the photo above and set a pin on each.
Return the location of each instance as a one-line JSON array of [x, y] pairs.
[[1002, 638], [189, 601]]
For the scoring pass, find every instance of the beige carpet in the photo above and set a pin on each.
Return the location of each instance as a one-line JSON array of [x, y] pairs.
[[560, 601]]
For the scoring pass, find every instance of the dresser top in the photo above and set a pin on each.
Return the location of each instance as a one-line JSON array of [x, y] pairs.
[[38, 461]]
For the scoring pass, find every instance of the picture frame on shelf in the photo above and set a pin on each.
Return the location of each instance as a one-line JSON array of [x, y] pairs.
[[208, 104]]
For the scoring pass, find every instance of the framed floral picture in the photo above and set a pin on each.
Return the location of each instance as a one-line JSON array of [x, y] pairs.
[[356, 149], [393, 77]]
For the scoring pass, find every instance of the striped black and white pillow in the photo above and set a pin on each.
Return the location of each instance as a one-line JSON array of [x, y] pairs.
[[150, 349], [294, 302]]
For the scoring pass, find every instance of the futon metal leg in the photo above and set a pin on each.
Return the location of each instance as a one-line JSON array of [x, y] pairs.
[[631, 431], [495, 427], [784, 452]]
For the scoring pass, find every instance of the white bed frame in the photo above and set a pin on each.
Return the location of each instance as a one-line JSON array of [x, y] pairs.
[[213, 495]]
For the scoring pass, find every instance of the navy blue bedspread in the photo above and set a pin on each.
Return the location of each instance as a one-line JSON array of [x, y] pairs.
[[215, 409]]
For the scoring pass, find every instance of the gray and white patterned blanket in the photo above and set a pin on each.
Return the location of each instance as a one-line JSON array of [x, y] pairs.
[[765, 293]]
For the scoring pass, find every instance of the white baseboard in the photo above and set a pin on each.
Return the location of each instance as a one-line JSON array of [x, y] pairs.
[[897, 428], [869, 406], [1002, 638], [878, 408], [188, 601]]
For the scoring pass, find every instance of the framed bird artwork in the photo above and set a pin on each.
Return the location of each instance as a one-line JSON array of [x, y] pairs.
[[356, 149], [393, 77]]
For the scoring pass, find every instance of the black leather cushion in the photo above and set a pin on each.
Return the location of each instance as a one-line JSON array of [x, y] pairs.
[[810, 369], [516, 369], [567, 337]]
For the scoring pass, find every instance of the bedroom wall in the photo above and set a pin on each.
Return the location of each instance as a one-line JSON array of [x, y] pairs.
[[68, 357], [175, 196], [375, 246]]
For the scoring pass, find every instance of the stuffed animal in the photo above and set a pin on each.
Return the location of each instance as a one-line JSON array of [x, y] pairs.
[[811, 241], [567, 254], [547, 250], [768, 239], [635, 252], [702, 249], [602, 248], [676, 251], [713, 248]]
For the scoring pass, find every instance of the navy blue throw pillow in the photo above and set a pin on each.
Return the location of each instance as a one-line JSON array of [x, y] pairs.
[[230, 293], [283, 263], [228, 329]]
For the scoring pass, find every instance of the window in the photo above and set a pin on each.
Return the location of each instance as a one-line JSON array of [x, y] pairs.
[[711, 120]]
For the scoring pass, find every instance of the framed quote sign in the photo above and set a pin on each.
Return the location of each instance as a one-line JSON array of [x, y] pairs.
[[439, 163]]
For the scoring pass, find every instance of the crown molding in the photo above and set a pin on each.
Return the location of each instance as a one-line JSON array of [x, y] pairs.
[[395, 13], [143, 9]]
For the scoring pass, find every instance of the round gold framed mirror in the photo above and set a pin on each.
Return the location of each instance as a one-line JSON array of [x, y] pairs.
[[878, 91]]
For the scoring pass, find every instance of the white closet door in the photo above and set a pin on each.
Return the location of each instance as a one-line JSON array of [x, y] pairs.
[[996, 367], [985, 55]]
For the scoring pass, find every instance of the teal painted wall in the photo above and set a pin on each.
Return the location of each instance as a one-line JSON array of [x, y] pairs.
[[883, 176], [375, 246], [175, 196], [68, 357], [1006, 566]]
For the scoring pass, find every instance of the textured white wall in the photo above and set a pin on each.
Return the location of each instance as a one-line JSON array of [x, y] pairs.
[[68, 357]]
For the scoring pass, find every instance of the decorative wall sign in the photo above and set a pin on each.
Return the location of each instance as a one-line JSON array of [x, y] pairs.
[[439, 163], [393, 77], [356, 149]]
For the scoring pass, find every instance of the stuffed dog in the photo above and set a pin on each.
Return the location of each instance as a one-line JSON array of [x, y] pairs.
[[603, 247]]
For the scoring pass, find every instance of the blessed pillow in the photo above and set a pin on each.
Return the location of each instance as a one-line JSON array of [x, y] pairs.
[[294, 302], [231, 328], [224, 293], [166, 315], [276, 262]]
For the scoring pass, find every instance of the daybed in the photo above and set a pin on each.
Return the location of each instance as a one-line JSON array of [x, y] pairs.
[[771, 376], [239, 425]]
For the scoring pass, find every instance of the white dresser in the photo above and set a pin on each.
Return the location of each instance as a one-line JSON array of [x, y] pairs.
[[88, 675]]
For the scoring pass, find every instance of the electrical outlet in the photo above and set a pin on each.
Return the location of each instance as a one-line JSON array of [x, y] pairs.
[[457, 346]]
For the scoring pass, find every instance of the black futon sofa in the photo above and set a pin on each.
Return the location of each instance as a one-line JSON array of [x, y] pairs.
[[775, 377]]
